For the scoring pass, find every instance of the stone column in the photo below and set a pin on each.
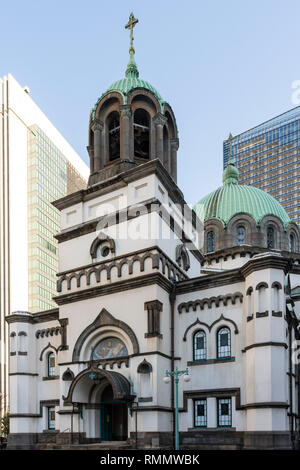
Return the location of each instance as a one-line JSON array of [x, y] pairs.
[[125, 132], [159, 122], [173, 163], [97, 129], [90, 150]]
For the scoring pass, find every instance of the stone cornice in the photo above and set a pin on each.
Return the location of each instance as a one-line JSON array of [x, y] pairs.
[[40, 317], [119, 286], [129, 213], [265, 262], [208, 281], [120, 181]]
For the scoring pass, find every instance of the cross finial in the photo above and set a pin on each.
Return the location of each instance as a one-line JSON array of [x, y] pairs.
[[132, 70], [130, 25]]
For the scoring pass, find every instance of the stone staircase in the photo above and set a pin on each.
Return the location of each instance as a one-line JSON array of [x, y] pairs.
[[106, 445]]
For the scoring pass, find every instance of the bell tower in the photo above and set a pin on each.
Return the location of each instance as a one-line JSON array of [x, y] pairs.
[[131, 124]]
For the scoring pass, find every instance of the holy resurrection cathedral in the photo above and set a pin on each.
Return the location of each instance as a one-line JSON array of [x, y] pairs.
[[146, 286]]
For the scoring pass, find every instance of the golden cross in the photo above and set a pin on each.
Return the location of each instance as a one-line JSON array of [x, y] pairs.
[[130, 25]]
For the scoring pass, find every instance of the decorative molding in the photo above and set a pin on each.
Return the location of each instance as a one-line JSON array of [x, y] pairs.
[[68, 375], [225, 392], [182, 257], [249, 291], [142, 364], [262, 345], [159, 260], [221, 318], [210, 301], [54, 330], [262, 314], [210, 361], [209, 281], [153, 307], [31, 374], [49, 346], [119, 383], [276, 284], [198, 322], [110, 289], [102, 320], [261, 284], [102, 238]]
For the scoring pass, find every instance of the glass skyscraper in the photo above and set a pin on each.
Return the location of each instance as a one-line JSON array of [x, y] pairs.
[[37, 166], [50, 177], [268, 155]]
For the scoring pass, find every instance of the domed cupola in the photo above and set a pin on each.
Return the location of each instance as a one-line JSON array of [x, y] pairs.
[[131, 124], [237, 214]]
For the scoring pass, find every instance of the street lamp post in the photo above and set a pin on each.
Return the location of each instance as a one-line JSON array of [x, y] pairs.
[[176, 374]]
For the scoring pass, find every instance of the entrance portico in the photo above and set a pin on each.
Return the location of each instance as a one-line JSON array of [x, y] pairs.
[[103, 397]]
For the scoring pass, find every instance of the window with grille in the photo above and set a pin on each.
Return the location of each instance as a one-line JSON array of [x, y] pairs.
[[292, 243], [210, 242], [199, 346], [223, 343], [200, 413], [224, 412], [51, 365], [241, 235], [270, 238], [51, 418]]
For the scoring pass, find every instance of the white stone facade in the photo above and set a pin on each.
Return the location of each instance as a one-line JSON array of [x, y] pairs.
[[246, 395]]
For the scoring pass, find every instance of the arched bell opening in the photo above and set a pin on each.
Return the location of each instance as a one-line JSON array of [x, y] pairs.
[[141, 131], [113, 125], [166, 147]]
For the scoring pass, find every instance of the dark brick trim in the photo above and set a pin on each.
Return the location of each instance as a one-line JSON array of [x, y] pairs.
[[261, 345], [262, 314], [31, 374], [118, 286], [210, 361], [276, 314]]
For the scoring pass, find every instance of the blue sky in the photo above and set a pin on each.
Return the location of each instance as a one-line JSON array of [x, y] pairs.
[[222, 65]]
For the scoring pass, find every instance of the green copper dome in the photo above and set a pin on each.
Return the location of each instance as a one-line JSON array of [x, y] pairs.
[[233, 198]]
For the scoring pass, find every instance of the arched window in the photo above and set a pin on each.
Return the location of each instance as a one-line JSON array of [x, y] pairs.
[[114, 135], [51, 364], [141, 127], [223, 343], [210, 242], [13, 343], [144, 370], [270, 238], [199, 346], [240, 235], [292, 243]]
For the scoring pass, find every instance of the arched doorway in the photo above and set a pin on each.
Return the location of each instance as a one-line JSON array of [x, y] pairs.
[[113, 417]]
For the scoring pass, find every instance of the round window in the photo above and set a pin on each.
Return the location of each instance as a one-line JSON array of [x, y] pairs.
[[105, 251]]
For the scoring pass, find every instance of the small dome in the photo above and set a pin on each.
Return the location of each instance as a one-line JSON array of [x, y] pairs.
[[128, 83], [233, 198]]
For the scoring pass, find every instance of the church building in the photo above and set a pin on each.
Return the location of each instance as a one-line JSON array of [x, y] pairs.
[[147, 285]]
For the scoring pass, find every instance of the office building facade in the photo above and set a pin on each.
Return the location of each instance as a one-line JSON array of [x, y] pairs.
[[37, 166], [267, 157]]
